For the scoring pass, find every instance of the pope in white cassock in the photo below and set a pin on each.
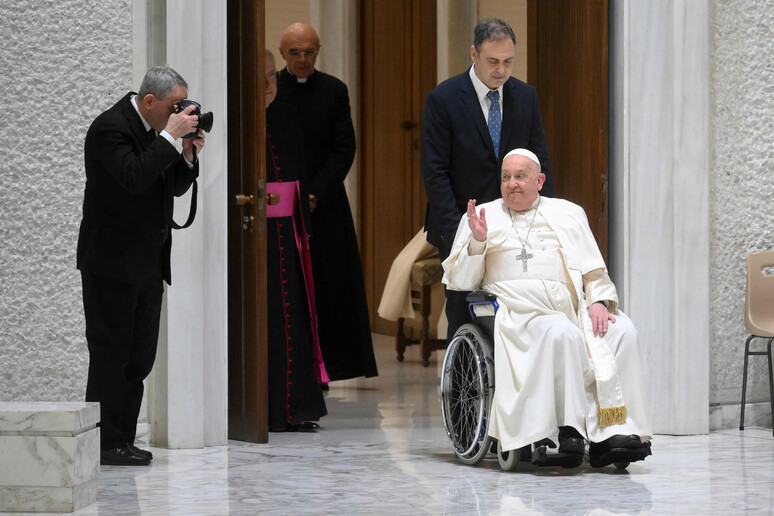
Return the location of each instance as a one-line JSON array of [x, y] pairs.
[[566, 358]]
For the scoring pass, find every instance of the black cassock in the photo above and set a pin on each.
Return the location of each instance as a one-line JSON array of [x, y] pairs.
[[295, 395], [329, 142]]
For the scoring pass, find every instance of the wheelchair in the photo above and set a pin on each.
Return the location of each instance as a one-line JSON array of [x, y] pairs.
[[467, 390]]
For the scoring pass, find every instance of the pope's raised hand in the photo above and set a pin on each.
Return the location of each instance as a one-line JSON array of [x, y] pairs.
[[477, 222]]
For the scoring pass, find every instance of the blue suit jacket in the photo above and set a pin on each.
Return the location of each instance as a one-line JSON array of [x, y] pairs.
[[458, 159]]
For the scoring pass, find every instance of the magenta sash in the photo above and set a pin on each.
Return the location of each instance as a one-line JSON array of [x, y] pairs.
[[289, 200]]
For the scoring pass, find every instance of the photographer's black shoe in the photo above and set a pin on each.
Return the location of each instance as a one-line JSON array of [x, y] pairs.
[[122, 456], [140, 452]]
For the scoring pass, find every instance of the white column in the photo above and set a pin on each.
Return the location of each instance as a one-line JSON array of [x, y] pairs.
[[188, 402], [336, 24], [659, 156]]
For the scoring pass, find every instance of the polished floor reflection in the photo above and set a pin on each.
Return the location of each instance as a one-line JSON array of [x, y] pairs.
[[383, 450]]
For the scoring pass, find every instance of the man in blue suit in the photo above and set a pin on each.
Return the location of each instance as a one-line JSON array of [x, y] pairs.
[[470, 122]]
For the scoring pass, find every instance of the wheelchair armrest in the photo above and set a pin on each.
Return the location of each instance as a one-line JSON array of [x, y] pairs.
[[481, 304], [479, 296]]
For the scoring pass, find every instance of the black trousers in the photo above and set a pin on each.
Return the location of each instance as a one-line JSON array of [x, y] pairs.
[[122, 329], [457, 312]]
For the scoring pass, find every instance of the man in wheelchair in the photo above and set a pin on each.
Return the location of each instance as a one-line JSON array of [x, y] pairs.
[[567, 364]]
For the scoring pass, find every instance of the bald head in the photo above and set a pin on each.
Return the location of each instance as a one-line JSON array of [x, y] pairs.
[[299, 47]]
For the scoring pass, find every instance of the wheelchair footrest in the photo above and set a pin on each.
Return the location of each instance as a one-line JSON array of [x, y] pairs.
[[541, 458]]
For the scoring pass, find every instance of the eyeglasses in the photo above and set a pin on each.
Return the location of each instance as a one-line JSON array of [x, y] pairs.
[[309, 52], [271, 75]]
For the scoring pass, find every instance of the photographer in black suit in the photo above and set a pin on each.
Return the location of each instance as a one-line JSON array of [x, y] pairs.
[[132, 174], [470, 121]]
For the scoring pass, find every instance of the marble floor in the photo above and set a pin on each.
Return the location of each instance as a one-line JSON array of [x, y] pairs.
[[383, 450]]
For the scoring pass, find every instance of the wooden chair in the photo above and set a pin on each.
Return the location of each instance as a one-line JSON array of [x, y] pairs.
[[424, 274], [759, 317]]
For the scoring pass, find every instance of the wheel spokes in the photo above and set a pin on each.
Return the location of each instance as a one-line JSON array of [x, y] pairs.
[[465, 396]]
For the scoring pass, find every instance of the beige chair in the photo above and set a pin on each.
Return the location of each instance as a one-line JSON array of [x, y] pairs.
[[759, 316], [424, 274]]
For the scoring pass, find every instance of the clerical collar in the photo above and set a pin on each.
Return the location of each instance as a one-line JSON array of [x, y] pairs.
[[299, 80], [145, 124]]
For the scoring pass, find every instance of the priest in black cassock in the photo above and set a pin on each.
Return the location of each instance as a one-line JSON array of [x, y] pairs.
[[329, 141], [296, 369]]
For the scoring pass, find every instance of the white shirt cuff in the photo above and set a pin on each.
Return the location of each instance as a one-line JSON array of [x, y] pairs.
[[475, 247]]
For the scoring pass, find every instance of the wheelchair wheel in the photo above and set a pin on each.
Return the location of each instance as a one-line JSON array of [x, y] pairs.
[[467, 385], [508, 459]]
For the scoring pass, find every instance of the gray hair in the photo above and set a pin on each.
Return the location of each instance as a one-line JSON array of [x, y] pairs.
[[271, 56], [493, 29], [159, 81]]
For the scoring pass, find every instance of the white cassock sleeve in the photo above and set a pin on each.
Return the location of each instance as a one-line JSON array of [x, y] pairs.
[[599, 287], [462, 270]]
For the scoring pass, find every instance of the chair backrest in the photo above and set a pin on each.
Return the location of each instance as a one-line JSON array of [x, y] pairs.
[[759, 298]]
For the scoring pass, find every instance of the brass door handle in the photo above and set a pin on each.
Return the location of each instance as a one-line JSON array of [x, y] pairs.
[[270, 199], [244, 200]]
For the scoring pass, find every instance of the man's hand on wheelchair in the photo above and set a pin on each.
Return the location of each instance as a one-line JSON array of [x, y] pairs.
[[476, 222], [599, 318]]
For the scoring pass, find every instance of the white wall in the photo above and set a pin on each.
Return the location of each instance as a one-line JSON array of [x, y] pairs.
[[188, 403], [63, 64], [741, 193], [660, 221]]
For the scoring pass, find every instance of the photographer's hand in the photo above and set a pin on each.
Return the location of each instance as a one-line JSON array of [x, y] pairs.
[[180, 124], [190, 144]]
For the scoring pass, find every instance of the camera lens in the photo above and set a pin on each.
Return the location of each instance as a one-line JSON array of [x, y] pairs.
[[205, 122]]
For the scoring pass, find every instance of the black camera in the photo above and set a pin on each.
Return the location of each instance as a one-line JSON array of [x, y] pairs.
[[205, 119]]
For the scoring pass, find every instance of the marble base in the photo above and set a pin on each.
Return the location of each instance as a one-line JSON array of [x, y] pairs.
[[727, 416], [54, 451], [142, 438], [48, 499]]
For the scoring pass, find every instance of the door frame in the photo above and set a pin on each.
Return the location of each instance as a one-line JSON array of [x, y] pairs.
[[248, 412]]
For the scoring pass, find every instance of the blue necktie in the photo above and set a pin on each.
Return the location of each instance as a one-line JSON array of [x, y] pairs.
[[495, 120]]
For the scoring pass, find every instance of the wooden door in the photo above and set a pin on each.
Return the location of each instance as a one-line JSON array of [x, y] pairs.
[[568, 64], [397, 70], [248, 412]]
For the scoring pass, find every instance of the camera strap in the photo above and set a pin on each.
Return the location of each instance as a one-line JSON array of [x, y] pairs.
[[192, 211]]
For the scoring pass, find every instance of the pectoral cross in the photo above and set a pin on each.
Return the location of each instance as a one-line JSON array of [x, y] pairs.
[[524, 257]]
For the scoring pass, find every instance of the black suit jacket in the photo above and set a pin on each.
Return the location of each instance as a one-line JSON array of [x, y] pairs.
[[458, 159], [128, 201]]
